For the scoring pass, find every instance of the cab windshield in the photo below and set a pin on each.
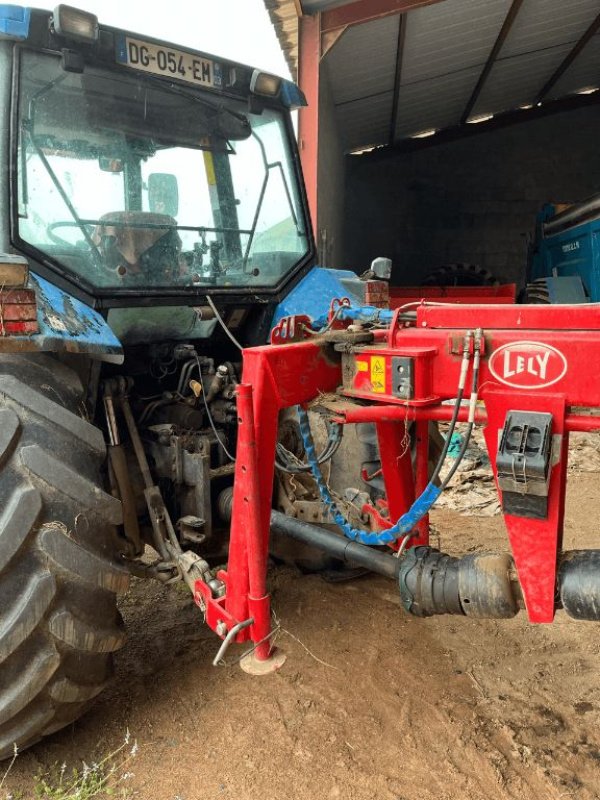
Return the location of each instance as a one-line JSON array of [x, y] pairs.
[[128, 182]]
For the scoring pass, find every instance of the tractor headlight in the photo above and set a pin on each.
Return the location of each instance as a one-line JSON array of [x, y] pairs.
[[265, 84], [14, 271], [72, 23]]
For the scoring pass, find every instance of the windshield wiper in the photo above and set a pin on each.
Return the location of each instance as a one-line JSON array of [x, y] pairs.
[[245, 130]]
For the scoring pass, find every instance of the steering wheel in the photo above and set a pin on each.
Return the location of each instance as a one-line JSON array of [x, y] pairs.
[[56, 239]]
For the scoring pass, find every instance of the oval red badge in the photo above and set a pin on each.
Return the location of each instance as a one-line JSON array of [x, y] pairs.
[[527, 365]]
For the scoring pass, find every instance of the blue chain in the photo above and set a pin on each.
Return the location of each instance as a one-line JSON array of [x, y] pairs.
[[405, 524]]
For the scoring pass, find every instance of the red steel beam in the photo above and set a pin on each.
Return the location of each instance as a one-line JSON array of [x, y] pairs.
[[309, 59], [582, 423], [365, 11]]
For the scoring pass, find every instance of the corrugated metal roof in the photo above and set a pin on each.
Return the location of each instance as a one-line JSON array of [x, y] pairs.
[[515, 82], [446, 46], [450, 37], [435, 103], [541, 24], [365, 122], [363, 62], [583, 74]]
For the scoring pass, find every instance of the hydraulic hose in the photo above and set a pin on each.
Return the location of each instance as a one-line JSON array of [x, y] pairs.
[[472, 409], [288, 462], [406, 523], [464, 368]]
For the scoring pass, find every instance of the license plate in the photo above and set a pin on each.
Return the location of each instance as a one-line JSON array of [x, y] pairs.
[[168, 62]]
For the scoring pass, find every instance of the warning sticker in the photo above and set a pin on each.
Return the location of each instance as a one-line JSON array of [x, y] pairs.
[[378, 374]]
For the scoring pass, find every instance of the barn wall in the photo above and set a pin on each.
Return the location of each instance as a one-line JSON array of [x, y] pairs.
[[473, 200]]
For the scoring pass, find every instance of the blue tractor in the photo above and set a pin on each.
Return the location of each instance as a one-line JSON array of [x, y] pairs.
[[564, 263], [152, 219]]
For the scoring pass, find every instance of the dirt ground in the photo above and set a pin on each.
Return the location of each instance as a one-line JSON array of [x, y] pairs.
[[371, 703]]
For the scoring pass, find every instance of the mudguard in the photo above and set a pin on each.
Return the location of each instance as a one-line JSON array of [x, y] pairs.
[[65, 325]]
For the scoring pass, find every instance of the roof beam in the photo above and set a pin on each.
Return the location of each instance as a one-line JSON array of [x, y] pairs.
[[506, 118], [399, 57], [568, 60], [500, 39], [366, 10]]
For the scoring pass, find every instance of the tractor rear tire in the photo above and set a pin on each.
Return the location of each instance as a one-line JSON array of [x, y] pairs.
[[460, 275], [536, 293], [59, 568]]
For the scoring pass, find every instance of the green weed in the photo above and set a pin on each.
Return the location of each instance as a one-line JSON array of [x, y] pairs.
[[106, 778]]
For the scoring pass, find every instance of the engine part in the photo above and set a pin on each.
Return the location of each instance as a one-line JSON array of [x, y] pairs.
[[476, 585], [579, 584], [225, 504], [218, 383], [183, 462], [190, 529], [165, 539], [120, 475]]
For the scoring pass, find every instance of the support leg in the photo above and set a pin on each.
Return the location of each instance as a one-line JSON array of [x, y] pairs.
[[396, 464], [422, 477], [534, 542]]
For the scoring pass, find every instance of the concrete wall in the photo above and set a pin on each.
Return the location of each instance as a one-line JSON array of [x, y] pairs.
[[473, 200], [331, 181]]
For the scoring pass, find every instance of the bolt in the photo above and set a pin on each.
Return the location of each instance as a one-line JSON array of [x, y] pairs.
[[217, 587], [221, 628]]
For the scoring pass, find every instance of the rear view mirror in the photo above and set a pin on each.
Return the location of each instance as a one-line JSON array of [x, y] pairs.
[[163, 193], [107, 164]]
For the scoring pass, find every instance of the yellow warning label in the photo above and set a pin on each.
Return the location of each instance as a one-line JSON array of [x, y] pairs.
[[362, 366], [209, 166], [378, 373]]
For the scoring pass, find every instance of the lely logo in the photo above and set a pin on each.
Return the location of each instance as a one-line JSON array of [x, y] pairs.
[[527, 365]]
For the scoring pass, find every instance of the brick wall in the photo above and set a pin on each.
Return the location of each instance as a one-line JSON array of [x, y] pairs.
[[473, 200]]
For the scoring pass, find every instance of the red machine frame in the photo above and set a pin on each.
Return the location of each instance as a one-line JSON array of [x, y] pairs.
[[516, 340]]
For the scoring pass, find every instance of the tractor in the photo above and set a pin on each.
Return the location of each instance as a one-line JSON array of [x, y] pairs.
[[153, 221], [564, 262], [178, 380]]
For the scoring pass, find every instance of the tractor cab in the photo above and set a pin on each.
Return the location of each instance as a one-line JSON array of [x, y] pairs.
[[146, 175]]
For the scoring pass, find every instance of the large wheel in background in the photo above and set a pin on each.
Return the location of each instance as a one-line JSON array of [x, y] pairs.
[[460, 275], [536, 293], [59, 573]]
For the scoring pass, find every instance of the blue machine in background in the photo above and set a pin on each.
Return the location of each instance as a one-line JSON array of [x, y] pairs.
[[565, 261]]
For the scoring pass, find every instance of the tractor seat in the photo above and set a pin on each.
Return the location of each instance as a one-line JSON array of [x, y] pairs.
[[131, 244]]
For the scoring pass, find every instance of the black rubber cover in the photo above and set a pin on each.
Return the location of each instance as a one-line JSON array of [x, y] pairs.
[[579, 584]]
